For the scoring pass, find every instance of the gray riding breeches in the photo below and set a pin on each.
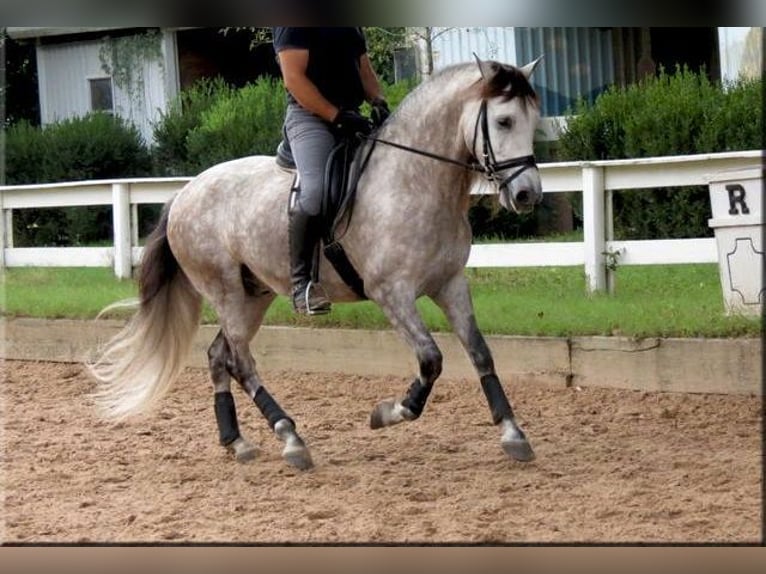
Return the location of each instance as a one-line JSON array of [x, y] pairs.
[[311, 141]]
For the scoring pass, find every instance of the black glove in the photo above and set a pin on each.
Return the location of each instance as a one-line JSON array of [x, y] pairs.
[[379, 112], [348, 123]]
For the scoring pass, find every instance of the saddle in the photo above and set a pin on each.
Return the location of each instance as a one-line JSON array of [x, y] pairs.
[[345, 165]]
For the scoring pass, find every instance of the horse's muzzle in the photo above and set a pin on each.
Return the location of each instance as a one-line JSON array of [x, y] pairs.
[[521, 198], [525, 198], [520, 190]]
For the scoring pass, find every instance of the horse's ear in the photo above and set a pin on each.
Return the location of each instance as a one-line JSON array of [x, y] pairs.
[[529, 68], [484, 67]]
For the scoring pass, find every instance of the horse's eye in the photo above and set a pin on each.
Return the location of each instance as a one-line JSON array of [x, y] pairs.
[[505, 122]]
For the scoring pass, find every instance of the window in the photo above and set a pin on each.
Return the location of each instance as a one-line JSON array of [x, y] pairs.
[[101, 95]]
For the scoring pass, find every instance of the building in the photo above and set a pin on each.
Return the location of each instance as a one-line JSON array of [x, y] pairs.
[[135, 72]]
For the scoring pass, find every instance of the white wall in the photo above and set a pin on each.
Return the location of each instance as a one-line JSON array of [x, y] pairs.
[[64, 71], [456, 45], [740, 52]]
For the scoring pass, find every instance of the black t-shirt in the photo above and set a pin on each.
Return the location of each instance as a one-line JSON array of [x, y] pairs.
[[333, 65]]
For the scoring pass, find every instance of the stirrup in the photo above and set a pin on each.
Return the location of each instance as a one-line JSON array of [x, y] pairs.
[[323, 307]]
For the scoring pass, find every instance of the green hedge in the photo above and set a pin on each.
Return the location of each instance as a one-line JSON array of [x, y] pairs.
[[670, 114], [243, 122], [96, 146], [171, 132], [25, 152]]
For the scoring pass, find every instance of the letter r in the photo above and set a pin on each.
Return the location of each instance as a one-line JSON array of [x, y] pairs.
[[737, 196]]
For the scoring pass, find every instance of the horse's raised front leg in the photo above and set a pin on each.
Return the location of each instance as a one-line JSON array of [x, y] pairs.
[[404, 317], [455, 300]]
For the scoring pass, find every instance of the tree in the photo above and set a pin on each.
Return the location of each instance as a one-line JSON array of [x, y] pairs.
[[424, 39], [382, 44]]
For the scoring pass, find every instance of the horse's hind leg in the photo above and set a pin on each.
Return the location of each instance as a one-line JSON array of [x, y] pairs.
[[225, 409], [241, 305], [242, 368], [455, 300]]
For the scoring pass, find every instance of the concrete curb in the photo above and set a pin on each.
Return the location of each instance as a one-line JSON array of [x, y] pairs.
[[725, 366]]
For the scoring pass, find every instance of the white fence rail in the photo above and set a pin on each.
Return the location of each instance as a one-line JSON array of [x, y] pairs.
[[596, 180]]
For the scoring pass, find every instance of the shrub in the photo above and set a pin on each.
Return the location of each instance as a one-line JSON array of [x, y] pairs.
[[737, 124], [96, 146], [394, 93], [670, 114], [171, 155], [24, 153], [243, 122], [666, 115]]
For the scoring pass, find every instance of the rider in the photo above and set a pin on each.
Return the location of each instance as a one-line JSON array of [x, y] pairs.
[[327, 74]]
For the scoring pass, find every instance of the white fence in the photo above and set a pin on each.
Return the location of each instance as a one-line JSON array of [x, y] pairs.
[[596, 180]]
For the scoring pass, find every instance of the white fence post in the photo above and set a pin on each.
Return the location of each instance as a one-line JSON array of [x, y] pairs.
[[8, 214], [611, 275], [123, 264], [593, 227], [133, 225]]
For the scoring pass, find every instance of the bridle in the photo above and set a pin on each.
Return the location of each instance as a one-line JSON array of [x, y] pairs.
[[489, 167]]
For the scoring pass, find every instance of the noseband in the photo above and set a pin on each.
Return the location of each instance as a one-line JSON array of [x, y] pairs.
[[490, 166]]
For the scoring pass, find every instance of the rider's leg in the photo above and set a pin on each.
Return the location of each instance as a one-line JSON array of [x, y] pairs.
[[311, 142]]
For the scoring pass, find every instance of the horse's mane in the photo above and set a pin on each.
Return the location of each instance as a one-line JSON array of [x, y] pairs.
[[507, 81]]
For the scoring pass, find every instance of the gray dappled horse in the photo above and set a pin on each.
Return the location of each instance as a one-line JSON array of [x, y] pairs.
[[224, 237]]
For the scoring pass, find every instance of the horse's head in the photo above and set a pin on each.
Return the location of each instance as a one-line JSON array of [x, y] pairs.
[[500, 131]]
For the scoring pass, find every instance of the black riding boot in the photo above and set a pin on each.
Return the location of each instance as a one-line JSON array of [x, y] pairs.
[[308, 297]]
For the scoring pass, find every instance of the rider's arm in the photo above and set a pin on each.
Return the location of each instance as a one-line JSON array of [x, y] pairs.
[[370, 82], [294, 63]]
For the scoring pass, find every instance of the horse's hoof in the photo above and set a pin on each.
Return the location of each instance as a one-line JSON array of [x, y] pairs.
[[518, 449], [385, 414], [298, 456], [243, 450], [379, 414]]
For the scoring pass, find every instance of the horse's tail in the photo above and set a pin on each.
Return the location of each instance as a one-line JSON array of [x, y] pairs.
[[136, 367]]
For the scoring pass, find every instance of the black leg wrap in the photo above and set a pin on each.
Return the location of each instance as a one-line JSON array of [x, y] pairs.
[[226, 416], [269, 407], [498, 402], [416, 398]]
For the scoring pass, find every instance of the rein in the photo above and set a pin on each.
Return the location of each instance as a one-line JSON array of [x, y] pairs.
[[489, 168], [473, 166]]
